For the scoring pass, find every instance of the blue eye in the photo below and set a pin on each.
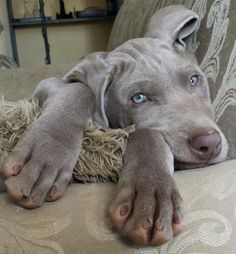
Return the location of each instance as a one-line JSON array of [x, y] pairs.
[[139, 98], [194, 80]]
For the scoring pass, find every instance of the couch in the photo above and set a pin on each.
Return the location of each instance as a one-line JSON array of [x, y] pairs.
[[78, 222]]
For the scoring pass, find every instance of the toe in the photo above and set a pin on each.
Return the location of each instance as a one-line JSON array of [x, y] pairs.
[[138, 227], [15, 161], [162, 230], [32, 202], [12, 169], [161, 236], [120, 214], [60, 185], [12, 165], [121, 207], [14, 191], [20, 186], [140, 236], [177, 224], [40, 189], [178, 212]]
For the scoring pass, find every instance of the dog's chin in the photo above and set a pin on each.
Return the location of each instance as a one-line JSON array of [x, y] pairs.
[[189, 160], [183, 165]]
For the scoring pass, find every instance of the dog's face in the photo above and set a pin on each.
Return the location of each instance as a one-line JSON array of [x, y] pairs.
[[154, 82], [163, 87]]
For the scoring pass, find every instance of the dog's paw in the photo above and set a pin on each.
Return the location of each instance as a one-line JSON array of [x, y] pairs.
[[146, 211], [40, 166]]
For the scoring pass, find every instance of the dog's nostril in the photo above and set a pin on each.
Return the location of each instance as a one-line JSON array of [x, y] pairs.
[[204, 149]]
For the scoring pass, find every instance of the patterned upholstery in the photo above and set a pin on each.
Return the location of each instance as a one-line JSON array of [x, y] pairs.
[[77, 223]]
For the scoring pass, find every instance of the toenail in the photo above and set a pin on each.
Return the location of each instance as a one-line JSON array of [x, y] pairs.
[[176, 219], [53, 191], [25, 196], [16, 169], [147, 223], [124, 210], [159, 227]]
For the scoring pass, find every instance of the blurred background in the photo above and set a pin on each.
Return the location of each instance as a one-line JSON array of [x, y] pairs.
[[84, 28]]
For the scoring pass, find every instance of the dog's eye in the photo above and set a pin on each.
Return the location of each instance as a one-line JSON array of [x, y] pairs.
[[139, 98], [194, 80]]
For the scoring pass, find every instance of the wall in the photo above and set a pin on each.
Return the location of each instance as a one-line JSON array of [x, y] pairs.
[[52, 6], [5, 48], [68, 42]]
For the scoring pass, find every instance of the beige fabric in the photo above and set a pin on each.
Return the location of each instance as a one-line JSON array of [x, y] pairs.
[[77, 224], [215, 48]]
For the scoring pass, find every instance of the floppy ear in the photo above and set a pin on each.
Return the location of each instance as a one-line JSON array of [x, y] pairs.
[[175, 24], [93, 71]]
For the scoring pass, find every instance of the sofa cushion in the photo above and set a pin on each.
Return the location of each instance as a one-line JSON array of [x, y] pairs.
[[19, 83], [77, 223], [214, 46]]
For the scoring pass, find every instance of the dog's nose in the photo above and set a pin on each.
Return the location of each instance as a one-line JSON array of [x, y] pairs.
[[206, 143]]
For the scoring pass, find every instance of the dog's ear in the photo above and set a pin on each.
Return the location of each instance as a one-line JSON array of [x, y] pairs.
[[93, 71], [174, 23]]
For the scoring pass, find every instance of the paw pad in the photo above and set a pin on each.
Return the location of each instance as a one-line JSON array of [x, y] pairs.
[[124, 210]]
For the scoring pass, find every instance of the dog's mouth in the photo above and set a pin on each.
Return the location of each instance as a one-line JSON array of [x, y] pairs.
[[183, 165], [192, 161], [183, 158]]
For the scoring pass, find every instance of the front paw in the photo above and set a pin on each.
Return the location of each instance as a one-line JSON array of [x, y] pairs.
[[147, 211], [40, 166]]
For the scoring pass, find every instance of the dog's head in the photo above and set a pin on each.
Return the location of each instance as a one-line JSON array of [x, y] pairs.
[[155, 82]]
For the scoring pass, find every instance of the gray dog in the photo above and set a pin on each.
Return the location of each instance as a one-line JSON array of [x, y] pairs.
[[152, 82]]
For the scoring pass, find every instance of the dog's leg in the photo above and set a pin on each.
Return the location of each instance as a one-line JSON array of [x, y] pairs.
[[147, 207], [40, 166]]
